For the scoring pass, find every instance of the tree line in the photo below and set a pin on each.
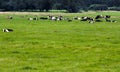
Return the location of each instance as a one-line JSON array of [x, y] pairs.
[[46, 5]]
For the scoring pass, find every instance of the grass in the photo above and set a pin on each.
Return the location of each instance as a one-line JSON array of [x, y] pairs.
[[59, 46]]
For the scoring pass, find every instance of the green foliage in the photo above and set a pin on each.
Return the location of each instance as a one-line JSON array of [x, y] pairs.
[[46, 5], [114, 8], [57, 6], [98, 7]]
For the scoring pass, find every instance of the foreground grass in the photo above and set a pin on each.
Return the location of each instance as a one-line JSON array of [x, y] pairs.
[[48, 46]]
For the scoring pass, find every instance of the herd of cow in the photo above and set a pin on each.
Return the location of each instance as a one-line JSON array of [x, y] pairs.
[[98, 18], [89, 19]]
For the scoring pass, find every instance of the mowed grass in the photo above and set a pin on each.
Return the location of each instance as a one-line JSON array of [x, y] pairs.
[[59, 46]]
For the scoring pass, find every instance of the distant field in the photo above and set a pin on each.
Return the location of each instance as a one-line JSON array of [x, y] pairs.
[[59, 46]]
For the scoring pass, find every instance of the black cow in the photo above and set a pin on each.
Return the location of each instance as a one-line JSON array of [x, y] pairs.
[[43, 18], [35, 18]]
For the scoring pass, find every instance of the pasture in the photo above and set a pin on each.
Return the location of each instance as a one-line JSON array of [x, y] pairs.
[[59, 46]]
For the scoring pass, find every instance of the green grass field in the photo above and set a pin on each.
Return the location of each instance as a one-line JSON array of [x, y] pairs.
[[59, 46]]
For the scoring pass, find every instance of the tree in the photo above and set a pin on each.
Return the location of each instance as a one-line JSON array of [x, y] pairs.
[[71, 5]]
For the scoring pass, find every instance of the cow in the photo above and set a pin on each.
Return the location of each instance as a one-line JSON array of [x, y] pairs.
[[98, 20], [107, 16], [30, 18], [60, 18], [90, 19], [33, 18], [76, 18], [52, 18], [99, 16], [7, 30], [107, 20], [43, 18], [84, 18], [10, 17], [68, 19]]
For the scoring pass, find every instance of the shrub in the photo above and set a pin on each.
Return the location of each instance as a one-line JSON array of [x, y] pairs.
[[114, 8], [98, 7]]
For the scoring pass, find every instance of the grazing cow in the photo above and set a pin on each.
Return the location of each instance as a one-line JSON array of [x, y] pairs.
[[7, 30]]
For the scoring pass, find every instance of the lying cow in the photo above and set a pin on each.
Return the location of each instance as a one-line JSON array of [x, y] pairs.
[[33, 18], [90, 19], [99, 16], [76, 18], [7, 30], [107, 16], [30, 18], [43, 18], [60, 18], [55, 18], [107, 20], [10, 17], [52, 18], [84, 18]]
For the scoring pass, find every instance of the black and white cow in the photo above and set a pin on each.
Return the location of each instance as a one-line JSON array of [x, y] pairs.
[[35, 18], [7, 30], [76, 18], [90, 19], [99, 16], [54, 18], [59, 18], [107, 16], [108, 20], [9, 17], [84, 18]]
